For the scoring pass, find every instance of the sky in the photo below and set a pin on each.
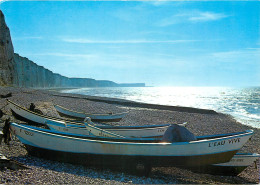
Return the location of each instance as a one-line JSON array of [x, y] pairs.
[[160, 43]]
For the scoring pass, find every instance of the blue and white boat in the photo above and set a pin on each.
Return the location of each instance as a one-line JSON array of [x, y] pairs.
[[238, 163], [148, 131], [131, 152], [102, 117]]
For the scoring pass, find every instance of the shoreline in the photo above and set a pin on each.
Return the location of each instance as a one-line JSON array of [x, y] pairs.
[[249, 120], [140, 114], [130, 103]]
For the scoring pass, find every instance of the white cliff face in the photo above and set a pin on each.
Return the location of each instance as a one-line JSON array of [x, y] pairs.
[[31, 75], [7, 64]]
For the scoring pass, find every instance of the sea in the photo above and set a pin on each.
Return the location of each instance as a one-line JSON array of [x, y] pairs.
[[243, 103]]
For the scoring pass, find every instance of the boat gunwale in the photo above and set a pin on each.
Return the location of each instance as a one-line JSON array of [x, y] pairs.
[[118, 128], [247, 155], [121, 140]]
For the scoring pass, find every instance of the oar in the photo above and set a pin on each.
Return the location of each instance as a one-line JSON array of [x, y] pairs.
[[98, 131]]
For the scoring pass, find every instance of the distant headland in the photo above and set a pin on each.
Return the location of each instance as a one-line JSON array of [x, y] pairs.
[[19, 71]]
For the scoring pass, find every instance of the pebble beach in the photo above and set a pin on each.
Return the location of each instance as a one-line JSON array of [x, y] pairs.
[[42, 171]]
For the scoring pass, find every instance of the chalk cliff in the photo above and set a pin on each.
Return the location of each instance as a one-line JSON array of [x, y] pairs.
[[7, 63], [32, 75], [16, 70]]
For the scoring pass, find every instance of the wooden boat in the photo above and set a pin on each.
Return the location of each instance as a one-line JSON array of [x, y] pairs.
[[107, 117], [63, 125], [134, 153]]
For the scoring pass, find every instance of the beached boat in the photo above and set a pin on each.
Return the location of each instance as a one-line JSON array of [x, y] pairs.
[[149, 131], [106, 117], [136, 153], [68, 126], [235, 166]]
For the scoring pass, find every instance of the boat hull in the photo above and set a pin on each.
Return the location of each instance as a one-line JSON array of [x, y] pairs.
[[95, 117], [92, 118], [84, 149], [235, 166], [125, 160], [27, 115]]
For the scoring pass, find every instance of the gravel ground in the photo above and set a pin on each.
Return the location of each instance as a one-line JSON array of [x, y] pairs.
[[49, 172]]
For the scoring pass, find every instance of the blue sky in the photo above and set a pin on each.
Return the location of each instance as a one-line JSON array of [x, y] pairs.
[[161, 43]]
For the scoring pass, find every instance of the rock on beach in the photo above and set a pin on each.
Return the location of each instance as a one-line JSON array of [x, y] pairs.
[[44, 171]]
